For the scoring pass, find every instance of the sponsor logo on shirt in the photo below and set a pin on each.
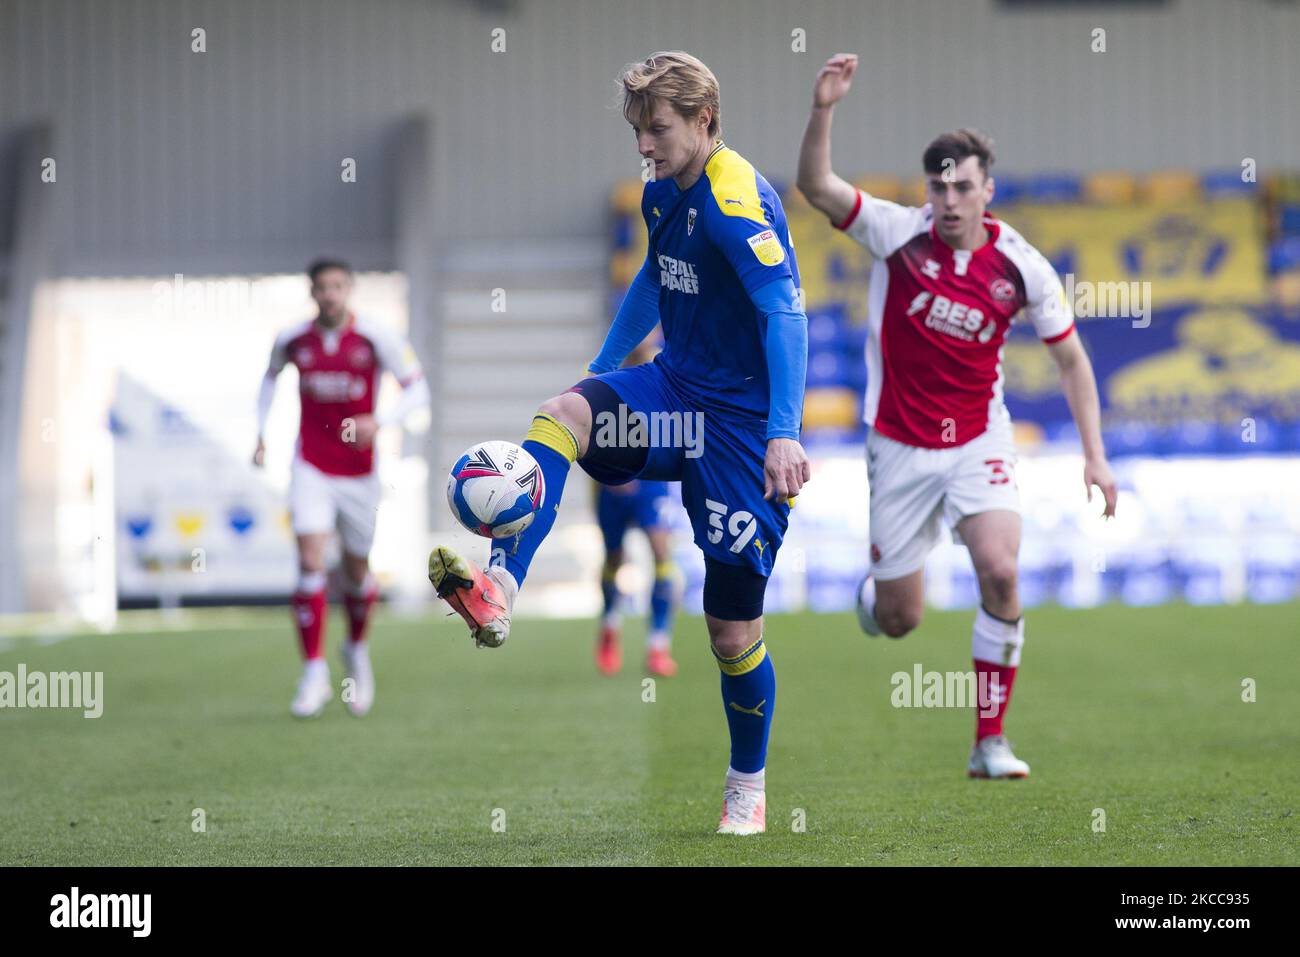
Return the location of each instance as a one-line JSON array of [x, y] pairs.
[[332, 386], [767, 248], [953, 318], [678, 275]]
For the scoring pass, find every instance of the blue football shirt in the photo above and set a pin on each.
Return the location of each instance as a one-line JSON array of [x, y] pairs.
[[711, 246]]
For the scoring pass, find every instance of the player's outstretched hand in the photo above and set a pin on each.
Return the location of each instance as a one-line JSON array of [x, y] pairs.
[[785, 469], [259, 454], [1097, 472], [834, 79]]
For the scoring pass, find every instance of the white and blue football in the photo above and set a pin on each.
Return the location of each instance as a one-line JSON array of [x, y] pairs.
[[495, 488]]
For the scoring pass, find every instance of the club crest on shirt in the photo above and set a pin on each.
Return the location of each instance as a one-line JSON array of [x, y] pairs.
[[767, 248], [302, 357], [1003, 290], [690, 221]]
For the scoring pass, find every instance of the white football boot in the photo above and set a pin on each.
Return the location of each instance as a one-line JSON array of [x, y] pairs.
[[356, 666], [744, 810], [484, 599], [314, 690], [866, 605], [992, 758]]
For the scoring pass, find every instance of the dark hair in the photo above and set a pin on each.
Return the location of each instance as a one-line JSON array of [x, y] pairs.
[[956, 146], [320, 265]]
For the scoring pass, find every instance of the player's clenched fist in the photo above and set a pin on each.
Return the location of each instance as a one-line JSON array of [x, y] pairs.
[[834, 79], [785, 469]]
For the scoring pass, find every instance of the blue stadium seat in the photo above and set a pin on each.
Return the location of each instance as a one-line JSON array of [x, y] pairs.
[[623, 226], [1289, 220], [1284, 255], [1226, 182], [1130, 438], [832, 577], [855, 339], [1054, 188], [1273, 569], [1269, 436], [827, 329], [1008, 190], [1191, 438], [826, 367], [856, 372], [1201, 569], [1063, 430], [1142, 577]]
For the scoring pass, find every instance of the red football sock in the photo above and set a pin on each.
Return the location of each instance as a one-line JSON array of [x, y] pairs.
[[309, 613], [358, 607], [989, 712]]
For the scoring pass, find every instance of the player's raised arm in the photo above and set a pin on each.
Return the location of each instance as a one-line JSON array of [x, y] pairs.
[[817, 181]]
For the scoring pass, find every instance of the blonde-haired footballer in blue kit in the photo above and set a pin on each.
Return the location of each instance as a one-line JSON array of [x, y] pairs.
[[720, 276]]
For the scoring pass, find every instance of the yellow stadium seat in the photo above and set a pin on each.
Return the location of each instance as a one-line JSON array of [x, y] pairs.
[[1027, 435], [1283, 188], [627, 196], [881, 187], [830, 408], [1110, 188], [1173, 186], [624, 265], [915, 192]]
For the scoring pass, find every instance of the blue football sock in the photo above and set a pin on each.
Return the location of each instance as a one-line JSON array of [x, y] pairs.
[[748, 696], [609, 592], [555, 449], [661, 598]]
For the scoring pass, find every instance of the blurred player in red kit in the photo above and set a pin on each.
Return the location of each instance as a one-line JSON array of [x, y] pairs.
[[334, 485]]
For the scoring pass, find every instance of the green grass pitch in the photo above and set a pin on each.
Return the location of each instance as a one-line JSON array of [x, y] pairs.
[[1138, 712]]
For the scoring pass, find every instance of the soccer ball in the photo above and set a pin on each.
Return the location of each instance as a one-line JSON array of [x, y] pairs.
[[495, 489]]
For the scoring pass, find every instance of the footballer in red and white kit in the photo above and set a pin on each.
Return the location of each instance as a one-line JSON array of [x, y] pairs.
[[948, 280], [334, 486]]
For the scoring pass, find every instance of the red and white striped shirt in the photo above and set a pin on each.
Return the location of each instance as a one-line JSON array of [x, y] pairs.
[[937, 318], [338, 378]]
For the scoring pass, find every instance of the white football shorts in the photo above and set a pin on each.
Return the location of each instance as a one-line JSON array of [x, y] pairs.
[[913, 490], [322, 503]]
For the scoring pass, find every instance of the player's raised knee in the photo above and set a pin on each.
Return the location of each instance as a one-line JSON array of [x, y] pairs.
[[897, 622], [572, 411]]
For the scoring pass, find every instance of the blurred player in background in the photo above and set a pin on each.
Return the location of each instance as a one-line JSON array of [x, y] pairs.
[[720, 276], [947, 281], [642, 503], [334, 484]]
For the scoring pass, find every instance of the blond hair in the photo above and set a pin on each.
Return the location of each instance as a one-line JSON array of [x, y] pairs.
[[675, 77]]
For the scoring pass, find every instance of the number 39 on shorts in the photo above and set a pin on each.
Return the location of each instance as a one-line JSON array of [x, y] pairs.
[[741, 525]]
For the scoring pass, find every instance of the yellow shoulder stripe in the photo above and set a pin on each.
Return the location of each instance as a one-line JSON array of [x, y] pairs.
[[735, 188]]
